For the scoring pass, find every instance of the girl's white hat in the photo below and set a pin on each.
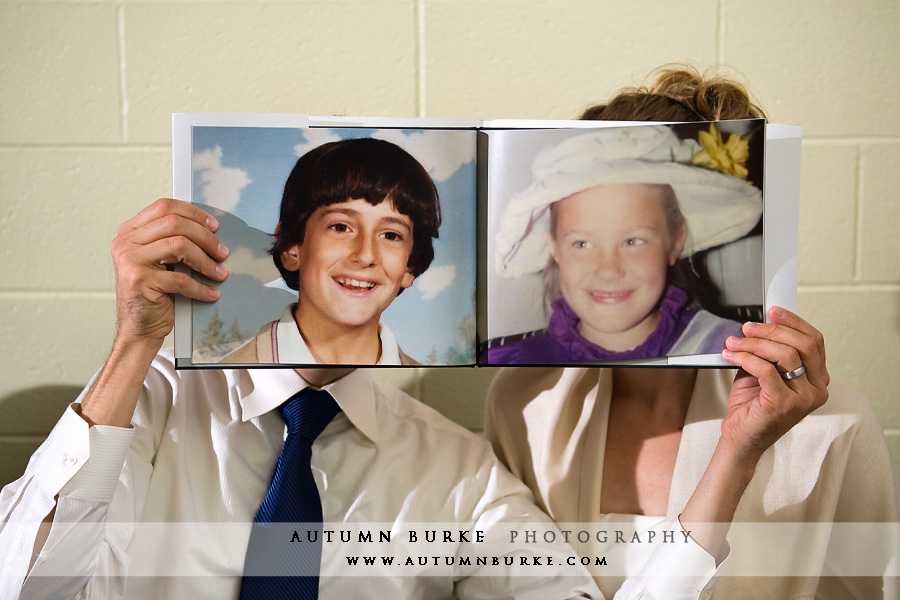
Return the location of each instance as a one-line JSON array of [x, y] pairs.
[[718, 208]]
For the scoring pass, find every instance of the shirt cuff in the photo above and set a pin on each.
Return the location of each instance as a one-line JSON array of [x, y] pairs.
[[683, 570], [82, 461]]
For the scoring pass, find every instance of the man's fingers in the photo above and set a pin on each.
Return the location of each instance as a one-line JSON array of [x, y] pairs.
[[173, 282], [176, 227], [178, 249], [169, 206]]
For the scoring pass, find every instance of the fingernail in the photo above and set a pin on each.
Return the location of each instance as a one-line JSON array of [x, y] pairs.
[[211, 223], [727, 354], [733, 341], [751, 326], [214, 293], [778, 311], [221, 271], [222, 249]]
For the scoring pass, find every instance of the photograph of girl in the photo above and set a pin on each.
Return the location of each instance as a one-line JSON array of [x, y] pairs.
[[645, 242]]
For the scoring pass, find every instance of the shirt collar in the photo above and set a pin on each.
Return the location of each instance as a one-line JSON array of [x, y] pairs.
[[291, 348], [263, 390]]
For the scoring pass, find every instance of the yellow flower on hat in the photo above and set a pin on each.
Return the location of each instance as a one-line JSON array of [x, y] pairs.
[[726, 157]]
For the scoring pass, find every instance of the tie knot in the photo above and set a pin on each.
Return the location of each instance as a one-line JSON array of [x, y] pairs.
[[309, 412]]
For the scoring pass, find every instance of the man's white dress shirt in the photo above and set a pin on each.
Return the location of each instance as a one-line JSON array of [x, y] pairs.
[[163, 510]]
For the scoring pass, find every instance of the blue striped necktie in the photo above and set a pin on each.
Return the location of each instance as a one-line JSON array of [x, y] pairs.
[[275, 566]]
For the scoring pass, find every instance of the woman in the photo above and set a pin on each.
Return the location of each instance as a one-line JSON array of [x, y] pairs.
[[638, 449]]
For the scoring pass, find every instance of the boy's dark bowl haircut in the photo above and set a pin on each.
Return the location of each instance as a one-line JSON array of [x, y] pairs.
[[358, 169]]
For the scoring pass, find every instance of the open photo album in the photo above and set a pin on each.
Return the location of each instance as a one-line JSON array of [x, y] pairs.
[[392, 242]]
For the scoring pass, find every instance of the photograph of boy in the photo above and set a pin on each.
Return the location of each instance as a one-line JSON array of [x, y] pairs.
[[617, 223], [357, 224]]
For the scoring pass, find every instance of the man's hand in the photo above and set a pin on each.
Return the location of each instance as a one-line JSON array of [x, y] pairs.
[[763, 406], [165, 233]]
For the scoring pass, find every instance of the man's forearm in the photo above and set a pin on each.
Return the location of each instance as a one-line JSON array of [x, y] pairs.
[[112, 398]]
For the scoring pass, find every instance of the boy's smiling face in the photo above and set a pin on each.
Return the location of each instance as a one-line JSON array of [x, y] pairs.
[[352, 263]]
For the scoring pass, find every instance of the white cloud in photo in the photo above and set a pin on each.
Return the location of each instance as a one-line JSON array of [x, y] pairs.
[[242, 260], [435, 280], [221, 185], [279, 284], [441, 160], [315, 138]]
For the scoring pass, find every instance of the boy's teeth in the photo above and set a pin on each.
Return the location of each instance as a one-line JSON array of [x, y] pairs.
[[356, 283]]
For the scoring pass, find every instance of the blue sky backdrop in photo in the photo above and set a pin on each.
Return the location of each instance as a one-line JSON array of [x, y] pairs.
[[242, 170]]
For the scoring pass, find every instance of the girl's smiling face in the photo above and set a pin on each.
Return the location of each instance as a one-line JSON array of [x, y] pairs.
[[613, 245]]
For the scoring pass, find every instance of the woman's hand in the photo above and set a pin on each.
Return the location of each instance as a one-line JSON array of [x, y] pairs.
[[763, 406]]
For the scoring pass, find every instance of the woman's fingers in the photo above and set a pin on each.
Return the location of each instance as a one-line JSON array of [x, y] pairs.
[[763, 370], [788, 319], [788, 343], [785, 357]]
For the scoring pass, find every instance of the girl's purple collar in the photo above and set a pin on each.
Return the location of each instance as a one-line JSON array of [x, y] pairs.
[[563, 327]]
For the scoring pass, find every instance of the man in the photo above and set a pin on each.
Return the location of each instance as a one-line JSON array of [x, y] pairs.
[[150, 481]]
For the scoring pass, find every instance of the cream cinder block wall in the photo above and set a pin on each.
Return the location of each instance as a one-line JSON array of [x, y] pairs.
[[88, 88]]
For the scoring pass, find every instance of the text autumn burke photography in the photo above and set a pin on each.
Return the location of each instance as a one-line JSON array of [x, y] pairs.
[[526, 536]]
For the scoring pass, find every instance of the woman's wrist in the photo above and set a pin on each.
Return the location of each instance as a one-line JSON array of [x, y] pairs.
[[740, 462]]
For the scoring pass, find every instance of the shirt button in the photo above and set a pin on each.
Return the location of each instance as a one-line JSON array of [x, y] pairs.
[[69, 459]]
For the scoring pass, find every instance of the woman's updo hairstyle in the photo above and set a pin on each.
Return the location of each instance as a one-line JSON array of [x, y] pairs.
[[679, 93]]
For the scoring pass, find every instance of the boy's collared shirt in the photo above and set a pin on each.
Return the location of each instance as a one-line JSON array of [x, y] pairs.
[[289, 347], [280, 342]]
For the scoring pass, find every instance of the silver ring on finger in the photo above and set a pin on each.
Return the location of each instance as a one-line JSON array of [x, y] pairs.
[[794, 374]]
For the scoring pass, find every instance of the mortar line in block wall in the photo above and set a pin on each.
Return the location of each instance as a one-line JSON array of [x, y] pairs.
[[112, 148], [57, 295], [419, 387], [720, 28], [848, 287], [858, 225], [419, 8], [123, 88], [836, 140]]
